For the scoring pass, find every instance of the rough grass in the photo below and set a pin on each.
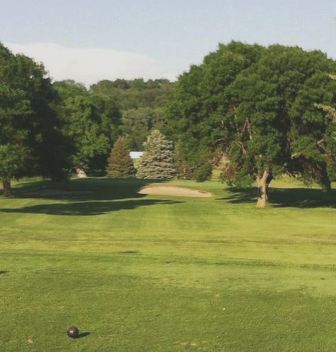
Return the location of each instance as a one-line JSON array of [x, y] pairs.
[[155, 273]]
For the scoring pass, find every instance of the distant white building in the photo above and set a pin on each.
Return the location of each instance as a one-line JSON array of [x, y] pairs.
[[136, 155]]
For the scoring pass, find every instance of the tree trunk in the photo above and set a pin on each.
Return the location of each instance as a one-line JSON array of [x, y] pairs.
[[7, 190], [326, 187], [325, 181], [263, 184]]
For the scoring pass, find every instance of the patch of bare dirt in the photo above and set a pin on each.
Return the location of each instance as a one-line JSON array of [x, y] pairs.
[[174, 191]]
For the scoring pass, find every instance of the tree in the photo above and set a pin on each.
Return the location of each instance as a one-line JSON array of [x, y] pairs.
[[327, 144], [120, 164], [257, 105], [200, 104], [142, 105], [137, 124], [158, 159], [134, 94], [313, 146], [30, 138], [91, 122], [14, 111], [11, 161]]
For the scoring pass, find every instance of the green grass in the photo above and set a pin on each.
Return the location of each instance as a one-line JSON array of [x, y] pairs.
[[142, 274]]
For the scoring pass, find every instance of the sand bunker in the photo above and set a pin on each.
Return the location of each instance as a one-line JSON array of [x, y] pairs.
[[174, 191]]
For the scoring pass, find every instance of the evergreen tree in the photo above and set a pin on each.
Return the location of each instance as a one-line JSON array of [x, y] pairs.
[[158, 159], [120, 164]]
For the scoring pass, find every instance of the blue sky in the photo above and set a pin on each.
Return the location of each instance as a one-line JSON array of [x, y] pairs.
[[90, 40]]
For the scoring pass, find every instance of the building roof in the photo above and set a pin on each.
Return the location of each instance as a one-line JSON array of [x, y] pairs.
[[136, 155]]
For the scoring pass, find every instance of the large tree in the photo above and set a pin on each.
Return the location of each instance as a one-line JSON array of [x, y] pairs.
[[31, 142], [327, 144], [200, 103], [91, 122], [258, 106]]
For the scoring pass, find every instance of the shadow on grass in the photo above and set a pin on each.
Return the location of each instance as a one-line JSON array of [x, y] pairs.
[[3, 272], [83, 334], [285, 197], [83, 189], [88, 208]]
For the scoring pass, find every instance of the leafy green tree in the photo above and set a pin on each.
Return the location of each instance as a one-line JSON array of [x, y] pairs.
[[12, 159], [137, 123], [120, 164], [312, 131], [327, 144], [29, 125], [195, 116], [48, 146], [91, 122], [142, 105], [14, 113], [158, 159], [134, 94], [256, 105], [83, 125], [276, 128], [14, 109], [69, 88]]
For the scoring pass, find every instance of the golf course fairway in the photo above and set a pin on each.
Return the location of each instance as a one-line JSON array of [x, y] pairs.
[[160, 273]]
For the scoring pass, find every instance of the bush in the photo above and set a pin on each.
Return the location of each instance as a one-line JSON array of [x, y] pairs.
[[203, 173]]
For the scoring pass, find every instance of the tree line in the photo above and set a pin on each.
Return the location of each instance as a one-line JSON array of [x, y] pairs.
[[267, 110], [49, 129]]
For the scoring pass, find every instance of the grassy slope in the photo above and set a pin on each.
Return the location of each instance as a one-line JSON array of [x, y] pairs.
[[166, 274]]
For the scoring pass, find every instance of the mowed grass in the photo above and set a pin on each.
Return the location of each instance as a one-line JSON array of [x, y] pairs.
[[155, 273]]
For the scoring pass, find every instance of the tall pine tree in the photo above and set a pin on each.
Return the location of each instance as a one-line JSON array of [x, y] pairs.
[[120, 164], [158, 159]]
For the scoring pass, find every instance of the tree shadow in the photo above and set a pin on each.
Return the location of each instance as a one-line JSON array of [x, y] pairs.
[[285, 197], [83, 189], [86, 208], [3, 272]]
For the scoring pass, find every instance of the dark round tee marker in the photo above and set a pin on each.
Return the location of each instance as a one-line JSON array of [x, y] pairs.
[[73, 332]]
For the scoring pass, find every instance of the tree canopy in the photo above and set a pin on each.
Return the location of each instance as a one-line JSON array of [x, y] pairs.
[[142, 105], [31, 140], [91, 122], [257, 105], [134, 94]]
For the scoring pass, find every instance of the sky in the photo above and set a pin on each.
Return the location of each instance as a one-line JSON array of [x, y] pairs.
[[90, 40]]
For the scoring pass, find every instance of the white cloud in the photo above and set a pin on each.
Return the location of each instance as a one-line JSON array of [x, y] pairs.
[[89, 65]]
